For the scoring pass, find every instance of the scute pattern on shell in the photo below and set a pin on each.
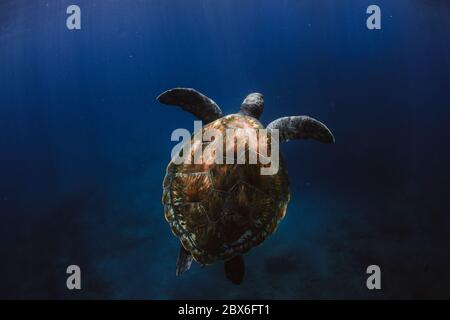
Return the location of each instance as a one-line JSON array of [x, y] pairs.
[[220, 210]]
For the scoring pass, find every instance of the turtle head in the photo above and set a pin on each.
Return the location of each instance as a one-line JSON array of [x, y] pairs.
[[253, 105]]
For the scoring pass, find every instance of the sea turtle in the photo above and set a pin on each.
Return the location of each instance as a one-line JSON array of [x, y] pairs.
[[221, 211]]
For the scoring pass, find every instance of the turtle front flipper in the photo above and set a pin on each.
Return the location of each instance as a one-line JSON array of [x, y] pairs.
[[184, 261], [301, 127], [235, 269], [192, 101]]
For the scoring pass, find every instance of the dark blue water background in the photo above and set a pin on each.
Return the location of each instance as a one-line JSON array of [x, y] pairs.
[[84, 144]]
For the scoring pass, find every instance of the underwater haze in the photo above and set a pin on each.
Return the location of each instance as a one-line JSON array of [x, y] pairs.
[[84, 144]]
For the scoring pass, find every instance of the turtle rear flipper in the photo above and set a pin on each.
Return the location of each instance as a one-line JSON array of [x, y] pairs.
[[184, 261], [235, 269]]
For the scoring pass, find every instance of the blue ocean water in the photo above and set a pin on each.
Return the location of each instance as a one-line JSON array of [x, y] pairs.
[[84, 144]]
